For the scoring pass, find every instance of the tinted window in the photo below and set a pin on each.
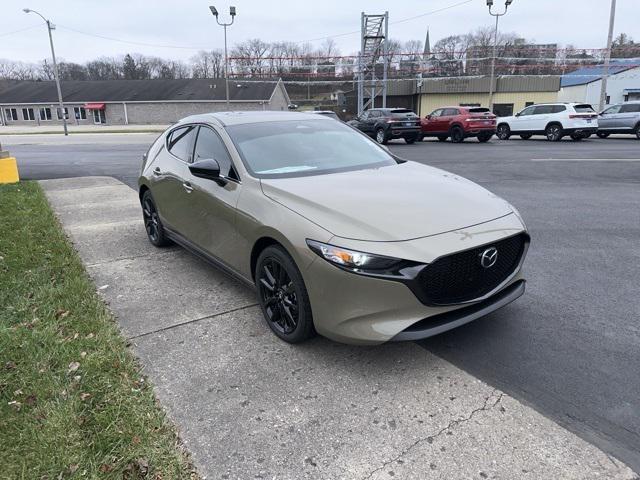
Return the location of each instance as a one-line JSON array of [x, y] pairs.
[[558, 108], [210, 145], [583, 108], [630, 108], [479, 110], [307, 147], [179, 142], [449, 112], [436, 113], [375, 114], [543, 109]]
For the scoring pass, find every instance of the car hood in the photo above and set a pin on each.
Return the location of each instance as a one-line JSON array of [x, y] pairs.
[[391, 203]]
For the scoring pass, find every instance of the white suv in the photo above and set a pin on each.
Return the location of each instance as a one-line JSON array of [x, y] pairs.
[[554, 120]]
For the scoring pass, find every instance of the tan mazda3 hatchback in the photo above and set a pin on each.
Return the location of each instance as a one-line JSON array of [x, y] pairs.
[[336, 234]]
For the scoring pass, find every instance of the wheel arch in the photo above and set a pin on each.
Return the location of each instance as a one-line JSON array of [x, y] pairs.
[[143, 189], [259, 245], [554, 122]]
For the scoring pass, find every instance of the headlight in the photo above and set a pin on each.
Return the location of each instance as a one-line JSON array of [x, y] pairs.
[[351, 259]]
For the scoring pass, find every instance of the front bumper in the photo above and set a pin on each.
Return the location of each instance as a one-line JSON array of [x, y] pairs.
[[359, 309]]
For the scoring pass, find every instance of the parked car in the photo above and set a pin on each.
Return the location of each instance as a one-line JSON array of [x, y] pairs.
[[554, 120], [620, 118], [459, 123], [306, 210], [326, 113], [385, 124]]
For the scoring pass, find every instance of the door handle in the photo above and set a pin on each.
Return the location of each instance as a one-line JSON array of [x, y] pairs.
[[187, 186], [156, 171]]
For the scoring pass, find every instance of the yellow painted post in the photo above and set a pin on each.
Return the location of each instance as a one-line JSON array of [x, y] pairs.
[[8, 168]]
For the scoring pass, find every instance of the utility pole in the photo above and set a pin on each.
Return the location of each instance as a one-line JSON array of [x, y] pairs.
[[607, 57], [56, 75], [232, 12], [492, 80]]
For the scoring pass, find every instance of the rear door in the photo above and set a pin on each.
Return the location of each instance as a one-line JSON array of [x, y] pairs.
[[629, 116], [448, 115], [170, 171], [541, 116]]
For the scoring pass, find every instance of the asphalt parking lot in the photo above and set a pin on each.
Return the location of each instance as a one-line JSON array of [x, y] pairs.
[[571, 347]]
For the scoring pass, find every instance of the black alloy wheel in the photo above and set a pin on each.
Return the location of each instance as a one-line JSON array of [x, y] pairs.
[[503, 132], [553, 133], [152, 223], [283, 297], [457, 135]]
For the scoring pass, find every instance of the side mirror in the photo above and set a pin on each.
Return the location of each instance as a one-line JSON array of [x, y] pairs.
[[428, 117], [207, 168]]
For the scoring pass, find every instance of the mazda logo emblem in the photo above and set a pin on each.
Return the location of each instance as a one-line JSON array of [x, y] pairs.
[[489, 257]]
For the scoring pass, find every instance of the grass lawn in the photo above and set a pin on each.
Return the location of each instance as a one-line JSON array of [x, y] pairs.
[[73, 402]]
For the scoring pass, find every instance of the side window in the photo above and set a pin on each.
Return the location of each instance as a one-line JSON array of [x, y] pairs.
[[558, 109], [374, 114], [180, 141], [630, 108], [450, 112], [365, 115], [612, 110], [543, 109], [527, 111], [210, 145], [436, 113]]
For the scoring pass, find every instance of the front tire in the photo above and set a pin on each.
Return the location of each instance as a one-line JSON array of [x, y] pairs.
[[485, 137], [283, 296], [457, 135], [553, 133], [410, 140], [638, 131], [381, 136], [503, 132], [152, 223]]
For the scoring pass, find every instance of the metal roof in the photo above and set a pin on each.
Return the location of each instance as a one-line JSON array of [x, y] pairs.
[[137, 91], [586, 75]]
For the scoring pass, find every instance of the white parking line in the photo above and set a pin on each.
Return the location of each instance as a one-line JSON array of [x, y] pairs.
[[585, 159]]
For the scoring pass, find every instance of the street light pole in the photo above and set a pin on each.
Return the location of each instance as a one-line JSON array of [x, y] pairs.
[[607, 57], [56, 75], [492, 80], [232, 12]]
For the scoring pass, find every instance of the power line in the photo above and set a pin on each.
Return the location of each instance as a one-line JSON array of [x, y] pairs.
[[18, 31]]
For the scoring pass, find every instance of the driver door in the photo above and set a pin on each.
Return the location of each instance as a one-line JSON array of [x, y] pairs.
[[212, 207], [522, 120], [430, 123], [610, 118]]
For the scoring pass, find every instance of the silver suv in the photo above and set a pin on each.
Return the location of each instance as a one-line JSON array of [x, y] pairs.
[[620, 118]]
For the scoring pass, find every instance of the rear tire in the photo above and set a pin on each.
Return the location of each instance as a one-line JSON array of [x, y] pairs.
[[603, 134], [381, 136], [503, 132], [553, 132], [638, 131], [457, 135], [283, 296], [526, 136], [485, 137], [152, 223]]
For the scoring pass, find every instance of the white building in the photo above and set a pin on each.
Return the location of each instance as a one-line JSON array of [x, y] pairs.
[[584, 84]]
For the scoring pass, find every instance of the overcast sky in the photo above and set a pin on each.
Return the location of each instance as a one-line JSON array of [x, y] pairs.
[[188, 23]]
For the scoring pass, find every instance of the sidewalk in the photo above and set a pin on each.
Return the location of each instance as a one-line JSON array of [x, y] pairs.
[[75, 129], [248, 405]]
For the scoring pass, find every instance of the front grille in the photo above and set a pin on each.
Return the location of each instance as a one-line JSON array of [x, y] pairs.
[[460, 277]]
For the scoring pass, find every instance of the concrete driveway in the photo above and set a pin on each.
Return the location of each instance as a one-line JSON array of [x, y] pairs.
[[250, 406]]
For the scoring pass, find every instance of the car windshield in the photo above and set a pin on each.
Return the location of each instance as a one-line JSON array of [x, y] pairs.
[[304, 147]]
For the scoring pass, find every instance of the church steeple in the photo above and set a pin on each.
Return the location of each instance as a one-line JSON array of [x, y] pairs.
[[426, 55]]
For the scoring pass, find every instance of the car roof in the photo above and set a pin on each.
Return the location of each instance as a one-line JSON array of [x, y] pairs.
[[243, 117]]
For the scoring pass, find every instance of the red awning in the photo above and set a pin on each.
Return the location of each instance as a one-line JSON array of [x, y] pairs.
[[94, 106]]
